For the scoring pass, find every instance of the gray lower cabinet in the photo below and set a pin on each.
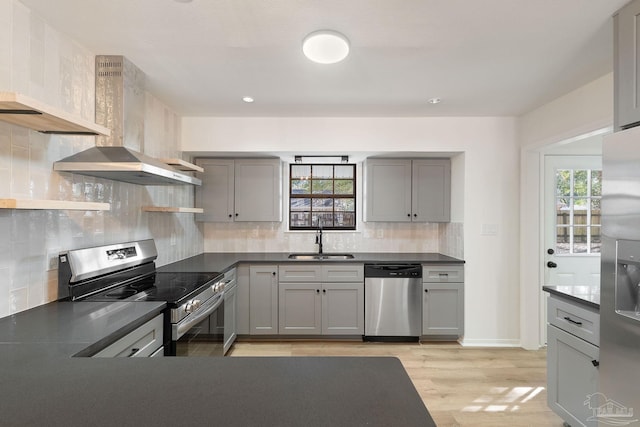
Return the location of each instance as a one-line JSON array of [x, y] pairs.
[[230, 331], [323, 299], [242, 316], [572, 359], [300, 308], [263, 299], [442, 300], [236, 190], [626, 71], [405, 190], [145, 341]]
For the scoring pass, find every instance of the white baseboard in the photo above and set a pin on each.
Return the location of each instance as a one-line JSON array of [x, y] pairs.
[[470, 342]]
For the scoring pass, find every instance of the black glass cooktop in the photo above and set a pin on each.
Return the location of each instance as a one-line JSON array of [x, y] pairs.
[[169, 287]]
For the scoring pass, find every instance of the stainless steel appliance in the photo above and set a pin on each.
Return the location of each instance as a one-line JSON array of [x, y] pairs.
[[120, 100], [620, 281], [392, 302], [126, 272]]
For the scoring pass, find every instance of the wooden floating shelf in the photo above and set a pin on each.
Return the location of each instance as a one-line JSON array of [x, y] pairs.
[[27, 112], [53, 205], [182, 165], [170, 209]]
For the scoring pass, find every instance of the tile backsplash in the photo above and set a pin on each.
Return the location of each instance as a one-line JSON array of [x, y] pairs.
[[46, 65], [446, 238]]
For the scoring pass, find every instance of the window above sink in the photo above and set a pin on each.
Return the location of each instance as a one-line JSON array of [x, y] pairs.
[[322, 195]]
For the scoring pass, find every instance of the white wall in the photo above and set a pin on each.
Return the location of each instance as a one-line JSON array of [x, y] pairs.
[[585, 111], [486, 175], [41, 62]]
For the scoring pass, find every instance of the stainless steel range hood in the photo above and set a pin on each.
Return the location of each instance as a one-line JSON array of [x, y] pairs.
[[123, 164], [120, 103]]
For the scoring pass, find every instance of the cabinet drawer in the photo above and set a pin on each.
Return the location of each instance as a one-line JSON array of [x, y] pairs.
[[343, 273], [577, 320], [300, 273], [141, 342], [442, 273]]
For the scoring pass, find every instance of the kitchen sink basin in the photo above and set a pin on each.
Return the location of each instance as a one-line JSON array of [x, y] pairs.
[[320, 256]]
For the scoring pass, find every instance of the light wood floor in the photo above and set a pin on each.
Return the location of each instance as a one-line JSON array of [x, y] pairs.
[[461, 386]]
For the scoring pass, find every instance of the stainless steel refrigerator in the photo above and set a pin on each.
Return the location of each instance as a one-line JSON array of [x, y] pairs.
[[618, 402]]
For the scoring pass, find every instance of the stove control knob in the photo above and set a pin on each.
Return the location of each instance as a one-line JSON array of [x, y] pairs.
[[215, 287], [221, 286], [192, 305], [188, 308]]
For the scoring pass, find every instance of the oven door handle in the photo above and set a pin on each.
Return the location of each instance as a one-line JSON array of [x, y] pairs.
[[180, 328]]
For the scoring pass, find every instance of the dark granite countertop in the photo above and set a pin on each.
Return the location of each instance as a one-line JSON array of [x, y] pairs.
[[41, 384], [221, 261], [585, 295]]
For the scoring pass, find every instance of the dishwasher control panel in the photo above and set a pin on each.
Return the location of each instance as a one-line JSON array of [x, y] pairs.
[[393, 270]]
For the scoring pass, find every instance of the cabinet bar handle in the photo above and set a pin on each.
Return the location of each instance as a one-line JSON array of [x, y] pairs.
[[595, 363], [569, 319]]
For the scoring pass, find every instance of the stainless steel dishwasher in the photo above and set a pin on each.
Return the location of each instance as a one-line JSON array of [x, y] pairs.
[[392, 302]]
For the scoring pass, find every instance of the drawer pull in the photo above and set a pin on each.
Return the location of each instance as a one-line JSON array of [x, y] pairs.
[[595, 363], [443, 274], [133, 351], [575, 322]]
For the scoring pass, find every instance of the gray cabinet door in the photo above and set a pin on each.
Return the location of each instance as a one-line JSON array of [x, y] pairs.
[[343, 308], [300, 309], [404, 190], [443, 309], [626, 70], [388, 190], [571, 376], [431, 190], [216, 194], [230, 331], [263, 299], [258, 190], [240, 190], [242, 316]]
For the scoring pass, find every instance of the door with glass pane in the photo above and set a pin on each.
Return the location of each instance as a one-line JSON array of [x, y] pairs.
[[573, 192]]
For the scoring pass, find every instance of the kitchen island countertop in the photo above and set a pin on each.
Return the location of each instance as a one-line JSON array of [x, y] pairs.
[[42, 384]]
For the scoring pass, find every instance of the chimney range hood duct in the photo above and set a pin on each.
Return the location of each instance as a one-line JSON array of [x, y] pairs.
[[120, 107]]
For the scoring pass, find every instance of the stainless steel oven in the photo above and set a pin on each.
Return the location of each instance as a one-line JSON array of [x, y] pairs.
[[201, 333], [195, 314]]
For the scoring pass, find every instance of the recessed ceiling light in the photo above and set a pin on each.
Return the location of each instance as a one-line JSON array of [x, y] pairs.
[[435, 101], [248, 99], [325, 46]]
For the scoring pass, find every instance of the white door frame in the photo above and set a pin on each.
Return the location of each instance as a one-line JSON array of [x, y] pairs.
[[532, 321]]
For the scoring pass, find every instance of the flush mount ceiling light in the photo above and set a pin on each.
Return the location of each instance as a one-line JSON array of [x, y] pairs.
[[325, 47], [248, 99], [435, 101]]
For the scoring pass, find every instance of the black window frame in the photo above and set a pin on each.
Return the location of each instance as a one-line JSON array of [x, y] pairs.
[[312, 196]]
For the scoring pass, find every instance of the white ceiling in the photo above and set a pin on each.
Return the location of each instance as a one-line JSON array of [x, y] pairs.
[[482, 57]]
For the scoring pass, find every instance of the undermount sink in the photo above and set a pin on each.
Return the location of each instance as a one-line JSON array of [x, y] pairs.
[[320, 256]]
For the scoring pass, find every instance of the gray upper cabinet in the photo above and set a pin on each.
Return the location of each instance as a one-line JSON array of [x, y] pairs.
[[405, 190], [240, 190], [626, 70]]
